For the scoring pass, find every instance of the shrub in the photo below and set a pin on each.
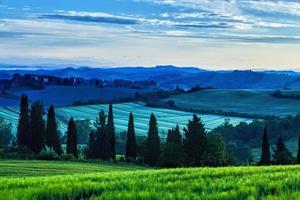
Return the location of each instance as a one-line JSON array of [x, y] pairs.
[[47, 154]]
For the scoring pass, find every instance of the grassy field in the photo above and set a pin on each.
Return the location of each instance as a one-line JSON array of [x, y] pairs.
[[166, 118], [278, 182], [18, 168], [241, 101]]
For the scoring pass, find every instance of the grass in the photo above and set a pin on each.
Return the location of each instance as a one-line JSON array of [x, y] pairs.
[[255, 102], [167, 118], [276, 182], [18, 168]]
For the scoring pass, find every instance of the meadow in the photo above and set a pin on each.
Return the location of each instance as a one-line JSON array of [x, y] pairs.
[[257, 102], [166, 118], [273, 182]]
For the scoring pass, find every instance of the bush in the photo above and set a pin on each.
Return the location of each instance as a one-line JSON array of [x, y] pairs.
[[68, 157], [47, 154]]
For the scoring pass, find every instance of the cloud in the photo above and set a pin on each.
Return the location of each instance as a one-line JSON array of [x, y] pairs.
[[283, 7], [95, 17]]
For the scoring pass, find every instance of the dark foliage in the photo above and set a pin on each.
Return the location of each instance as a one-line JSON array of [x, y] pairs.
[[103, 150], [265, 149], [281, 155], [6, 135], [152, 150], [111, 132], [298, 154], [131, 147], [195, 142], [72, 138], [52, 136], [23, 130], [172, 153], [92, 146], [37, 127]]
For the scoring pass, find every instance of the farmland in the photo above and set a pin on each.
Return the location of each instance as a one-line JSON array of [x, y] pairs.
[[67, 95], [276, 182], [258, 102], [166, 118], [18, 168]]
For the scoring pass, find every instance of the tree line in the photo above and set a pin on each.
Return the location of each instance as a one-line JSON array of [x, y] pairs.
[[193, 146]]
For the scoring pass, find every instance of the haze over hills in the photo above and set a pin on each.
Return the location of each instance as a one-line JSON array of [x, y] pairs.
[[170, 76]]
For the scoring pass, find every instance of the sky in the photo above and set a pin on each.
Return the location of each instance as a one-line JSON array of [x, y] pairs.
[[210, 34]]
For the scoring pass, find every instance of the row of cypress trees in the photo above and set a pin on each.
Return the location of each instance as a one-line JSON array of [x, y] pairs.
[[281, 154], [32, 132], [102, 141]]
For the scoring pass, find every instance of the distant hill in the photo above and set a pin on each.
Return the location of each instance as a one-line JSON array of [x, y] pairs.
[[170, 76], [255, 102]]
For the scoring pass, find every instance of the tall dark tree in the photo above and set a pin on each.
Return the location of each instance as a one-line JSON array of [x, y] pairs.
[[72, 138], [111, 132], [92, 147], [216, 152], [265, 158], [131, 147], [152, 151], [23, 130], [174, 136], [52, 136], [281, 155], [37, 127], [172, 153], [103, 150], [195, 142], [298, 154]]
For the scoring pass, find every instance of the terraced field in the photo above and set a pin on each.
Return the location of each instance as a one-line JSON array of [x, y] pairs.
[[273, 182], [166, 118]]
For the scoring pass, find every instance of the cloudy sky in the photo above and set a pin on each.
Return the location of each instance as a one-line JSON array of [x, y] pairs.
[[213, 34]]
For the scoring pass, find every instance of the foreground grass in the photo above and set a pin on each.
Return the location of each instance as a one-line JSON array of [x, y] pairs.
[[18, 168], [280, 182]]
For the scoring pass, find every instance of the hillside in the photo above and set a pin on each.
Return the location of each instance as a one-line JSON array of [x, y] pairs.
[[259, 102], [273, 182], [166, 118], [67, 95]]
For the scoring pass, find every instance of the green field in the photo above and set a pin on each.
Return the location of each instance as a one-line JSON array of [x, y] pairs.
[[259, 102], [276, 182], [166, 118], [18, 168]]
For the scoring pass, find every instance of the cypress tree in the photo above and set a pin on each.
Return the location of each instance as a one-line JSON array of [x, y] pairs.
[[153, 143], [111, 132], [37, 127], [172, 154], [195, 142], [52, 137], [72, 138], [92, 148], [174, 136], [281, 154], [131, 147], [103, 150], [265, 158], [23, 130], [298, 155]]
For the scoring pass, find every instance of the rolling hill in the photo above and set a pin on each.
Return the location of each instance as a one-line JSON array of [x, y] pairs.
[[166, 118], [60, 96], [257, 102]]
